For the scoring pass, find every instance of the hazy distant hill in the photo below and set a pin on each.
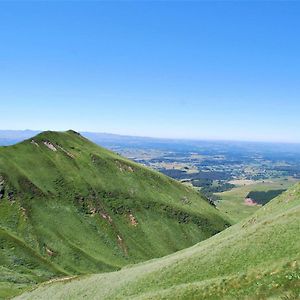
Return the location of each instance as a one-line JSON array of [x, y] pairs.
[[10, 137]]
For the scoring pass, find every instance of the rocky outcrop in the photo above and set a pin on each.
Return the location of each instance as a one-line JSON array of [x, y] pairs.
[[133, 220], [50, 146], [124, 167], [10, 195], [2, 190]]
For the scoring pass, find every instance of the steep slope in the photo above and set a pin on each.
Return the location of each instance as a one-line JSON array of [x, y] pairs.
[[255, 259], [70, 207]]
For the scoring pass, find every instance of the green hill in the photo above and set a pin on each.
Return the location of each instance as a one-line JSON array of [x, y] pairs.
[[255, 259], [70, 207]]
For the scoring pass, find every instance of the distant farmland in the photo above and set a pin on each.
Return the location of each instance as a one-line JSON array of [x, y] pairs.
[[263, 197]]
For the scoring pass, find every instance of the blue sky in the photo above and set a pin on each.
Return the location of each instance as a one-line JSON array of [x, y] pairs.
[[205, 70]]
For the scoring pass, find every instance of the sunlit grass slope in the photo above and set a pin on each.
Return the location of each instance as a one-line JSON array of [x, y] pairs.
[[70, 207], [257, 258]]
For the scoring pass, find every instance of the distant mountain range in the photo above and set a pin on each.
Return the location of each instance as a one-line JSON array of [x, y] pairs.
[[10, 137]]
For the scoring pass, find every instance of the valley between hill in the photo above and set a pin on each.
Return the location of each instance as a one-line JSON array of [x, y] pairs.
[[257, 258]]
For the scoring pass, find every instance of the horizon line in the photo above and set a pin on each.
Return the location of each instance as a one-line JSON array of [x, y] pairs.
[[162, 138]]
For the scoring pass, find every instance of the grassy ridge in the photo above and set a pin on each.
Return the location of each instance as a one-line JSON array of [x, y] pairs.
[[77, 208], [257, 258]]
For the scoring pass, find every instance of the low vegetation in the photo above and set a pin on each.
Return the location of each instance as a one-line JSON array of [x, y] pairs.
[[257, 258], [69, 207]]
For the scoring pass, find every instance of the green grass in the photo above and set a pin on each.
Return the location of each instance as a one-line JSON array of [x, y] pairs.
[[258, 258], [232, 202], [83, 209]]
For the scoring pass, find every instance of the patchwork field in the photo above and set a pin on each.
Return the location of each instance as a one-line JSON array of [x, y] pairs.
[[233, 202]]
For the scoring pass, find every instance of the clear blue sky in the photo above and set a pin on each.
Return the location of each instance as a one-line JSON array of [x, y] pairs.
[[222, 70]]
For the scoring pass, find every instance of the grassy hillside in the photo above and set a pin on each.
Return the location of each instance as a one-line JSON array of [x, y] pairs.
[[257, 258], [70, 207]]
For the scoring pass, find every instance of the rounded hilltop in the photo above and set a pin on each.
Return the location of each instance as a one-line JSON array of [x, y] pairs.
[[79, 208]]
